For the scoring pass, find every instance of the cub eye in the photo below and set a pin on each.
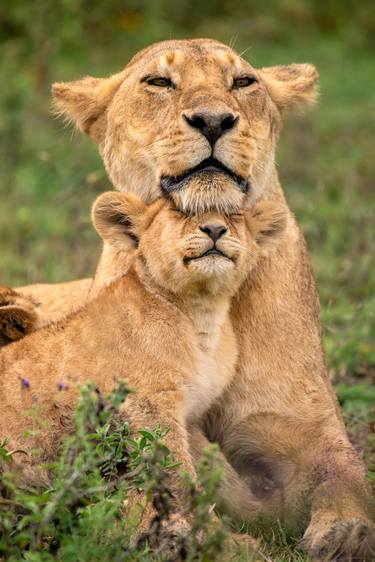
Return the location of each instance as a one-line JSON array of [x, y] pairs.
[[244, 81], [160, 82], [236, 218]]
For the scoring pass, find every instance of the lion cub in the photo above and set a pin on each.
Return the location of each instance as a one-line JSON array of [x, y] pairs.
[[163, 326]]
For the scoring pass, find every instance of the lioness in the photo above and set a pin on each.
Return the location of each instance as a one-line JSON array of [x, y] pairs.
[[193, 121], [172, 341]]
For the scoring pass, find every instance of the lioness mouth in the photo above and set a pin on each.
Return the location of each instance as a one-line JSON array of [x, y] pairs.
[[208, 166]]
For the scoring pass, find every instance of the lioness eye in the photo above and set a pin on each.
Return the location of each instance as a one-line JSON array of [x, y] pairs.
[[178, 212], [243, 81], [160, 82]]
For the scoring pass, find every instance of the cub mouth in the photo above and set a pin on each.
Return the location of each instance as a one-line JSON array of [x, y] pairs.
[[210, 252], [207, 166]]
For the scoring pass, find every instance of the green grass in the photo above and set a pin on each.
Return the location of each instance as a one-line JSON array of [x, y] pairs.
[[325, 157]]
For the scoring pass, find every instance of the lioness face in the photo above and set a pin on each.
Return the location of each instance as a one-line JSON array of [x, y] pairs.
[[190, 120], [211, 252]]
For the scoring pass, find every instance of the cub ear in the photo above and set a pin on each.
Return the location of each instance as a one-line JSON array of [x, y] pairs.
[[117, 218], [268, 221], [292, 85], [83, 102]]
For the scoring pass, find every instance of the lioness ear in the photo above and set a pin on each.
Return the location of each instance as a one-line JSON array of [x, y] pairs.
[[117, 218], [268, 223], [83, 102], [291, 85]]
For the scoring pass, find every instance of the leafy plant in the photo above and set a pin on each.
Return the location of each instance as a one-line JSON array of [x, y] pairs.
[[81, 515]]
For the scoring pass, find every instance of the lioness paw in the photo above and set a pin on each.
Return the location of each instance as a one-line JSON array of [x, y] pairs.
[[18, 315], [350, 540]]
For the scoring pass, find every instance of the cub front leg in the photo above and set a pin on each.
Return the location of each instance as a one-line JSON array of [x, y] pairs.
[[165, 409]]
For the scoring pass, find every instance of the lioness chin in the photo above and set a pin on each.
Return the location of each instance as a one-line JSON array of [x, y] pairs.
[[194, 122], [172, 341]]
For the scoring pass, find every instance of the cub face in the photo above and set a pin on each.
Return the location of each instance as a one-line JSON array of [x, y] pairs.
[[211, 252]]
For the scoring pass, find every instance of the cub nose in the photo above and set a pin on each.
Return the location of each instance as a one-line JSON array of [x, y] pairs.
[[214, 231], [212, 125]]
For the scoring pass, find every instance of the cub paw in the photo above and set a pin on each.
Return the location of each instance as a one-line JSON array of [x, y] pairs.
[[350, 540], [19, 315]]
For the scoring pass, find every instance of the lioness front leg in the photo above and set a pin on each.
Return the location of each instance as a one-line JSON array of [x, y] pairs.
[[234, 495], [19, 315], [342, 517], [311, 478]]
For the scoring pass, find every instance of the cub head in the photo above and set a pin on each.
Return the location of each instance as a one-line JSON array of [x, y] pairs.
[[190, 120], [207, 253]]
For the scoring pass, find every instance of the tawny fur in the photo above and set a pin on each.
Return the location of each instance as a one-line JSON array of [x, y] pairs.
[[279, 424], [54, 305]]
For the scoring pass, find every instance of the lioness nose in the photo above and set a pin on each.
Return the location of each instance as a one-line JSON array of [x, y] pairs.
[[214, 231], [212, 125]]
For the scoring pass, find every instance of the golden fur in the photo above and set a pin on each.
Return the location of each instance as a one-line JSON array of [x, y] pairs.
[[279, 424]]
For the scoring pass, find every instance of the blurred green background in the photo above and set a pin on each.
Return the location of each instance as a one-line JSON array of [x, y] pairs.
[[50, 175]]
